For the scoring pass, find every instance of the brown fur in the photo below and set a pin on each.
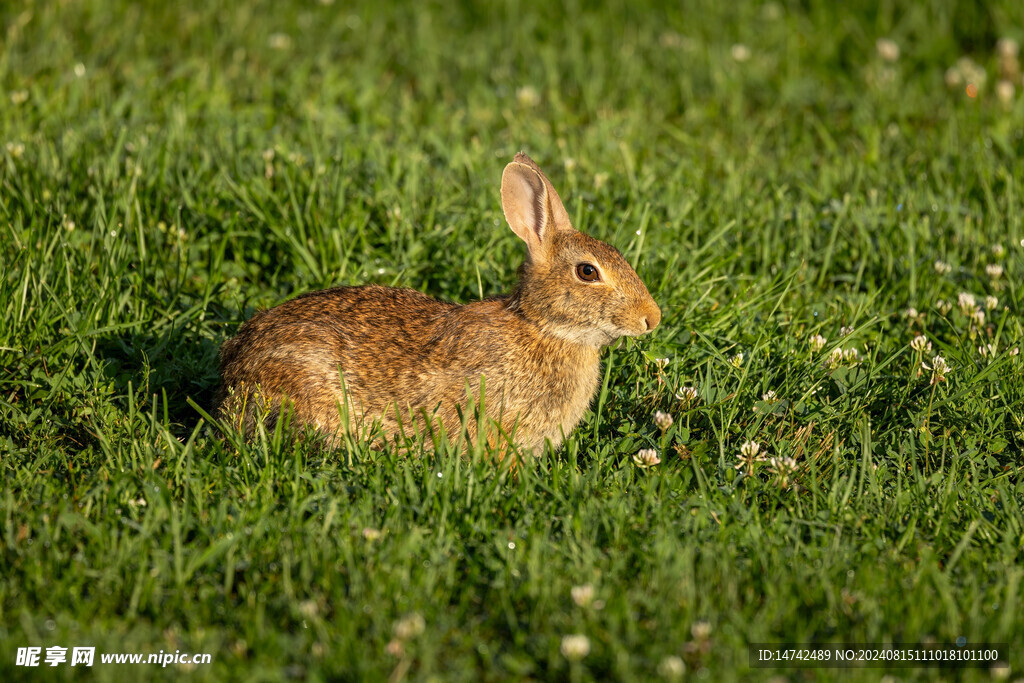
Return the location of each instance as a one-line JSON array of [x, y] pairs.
[[404, 355]]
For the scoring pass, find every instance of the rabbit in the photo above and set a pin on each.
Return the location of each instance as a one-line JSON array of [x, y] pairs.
[[349, 356]]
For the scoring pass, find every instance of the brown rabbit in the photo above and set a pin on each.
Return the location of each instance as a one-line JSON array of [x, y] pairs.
[[405, 356]]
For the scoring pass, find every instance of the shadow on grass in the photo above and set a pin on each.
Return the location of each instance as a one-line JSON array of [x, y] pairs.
[[173, 366]]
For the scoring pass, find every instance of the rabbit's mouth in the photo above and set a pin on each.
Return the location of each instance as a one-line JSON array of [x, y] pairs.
[[623, 332], [610, 332], [612, 335]]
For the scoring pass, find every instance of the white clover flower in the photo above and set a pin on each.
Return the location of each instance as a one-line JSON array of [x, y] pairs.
[[646, 457], [672, 668], [662, 420], [1014, 351], [686, 395], [371, 534], [410, 626], [749, 454], [701, 630], [938, 368], [974, 74], [911, 313], [845, 330], [942, 268], [966, 302], [770, 396], [991, 302], [978, 317], [783, 467], [1007, 48], [994, 270], [575, 647], [834, 358], [1005, 91], [921, 344], [943, 306], [279, 41], [740, 52], [309, 609], [998, 250], [670, 39], [661, 362], [887, 49], [19, 96], [527, 96], [737, 360], [986, 350], [954, 79], [817, 342], [999, 671], [851, 355], [771, 10], [582, 595]]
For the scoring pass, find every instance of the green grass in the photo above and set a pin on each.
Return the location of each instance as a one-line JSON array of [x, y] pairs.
[[168, 169]]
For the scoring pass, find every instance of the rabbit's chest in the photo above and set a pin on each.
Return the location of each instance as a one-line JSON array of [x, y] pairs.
[[552, 397]]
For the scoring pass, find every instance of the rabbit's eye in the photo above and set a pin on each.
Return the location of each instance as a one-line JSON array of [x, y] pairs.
[[587, 272]]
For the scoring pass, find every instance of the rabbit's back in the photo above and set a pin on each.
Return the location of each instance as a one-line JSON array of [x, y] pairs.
[[303, 348]]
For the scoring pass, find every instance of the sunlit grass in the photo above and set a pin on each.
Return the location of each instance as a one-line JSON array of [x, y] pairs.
[[822, 440]]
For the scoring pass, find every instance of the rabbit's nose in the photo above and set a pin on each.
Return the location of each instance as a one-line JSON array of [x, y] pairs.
[[652, 317]]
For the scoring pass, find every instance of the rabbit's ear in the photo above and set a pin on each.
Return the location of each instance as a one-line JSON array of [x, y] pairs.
[[532, 207], [559, 217]]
